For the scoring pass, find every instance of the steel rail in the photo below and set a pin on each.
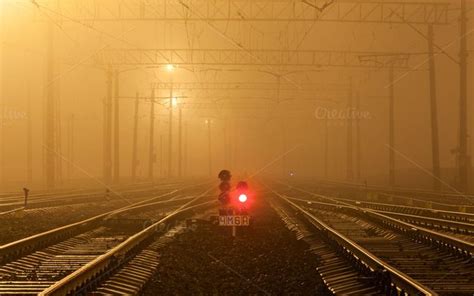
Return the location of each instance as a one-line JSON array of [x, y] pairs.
[[458, 246], [114, 257], [447, 242], [398, 279], [434, 222], [446, 215], [29, 244], [401, 190], [53, 197]]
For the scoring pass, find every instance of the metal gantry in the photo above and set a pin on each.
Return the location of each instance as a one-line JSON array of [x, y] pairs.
[[263, 86], [257, 57], [391, 12]]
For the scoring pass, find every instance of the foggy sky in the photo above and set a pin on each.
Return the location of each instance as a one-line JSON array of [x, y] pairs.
[[250, 129]]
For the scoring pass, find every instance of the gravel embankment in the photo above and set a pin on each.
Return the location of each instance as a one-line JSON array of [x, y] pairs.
[[265, 259]]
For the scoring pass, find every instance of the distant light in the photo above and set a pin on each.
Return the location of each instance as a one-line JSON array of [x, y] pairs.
[[170, 67], [174, 101], [242, 198]]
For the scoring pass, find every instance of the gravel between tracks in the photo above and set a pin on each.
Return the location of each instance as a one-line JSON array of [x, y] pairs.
[[265, 259], [25, 223]]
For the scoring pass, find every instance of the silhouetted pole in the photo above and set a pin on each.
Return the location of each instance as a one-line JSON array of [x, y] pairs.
[[185, 148], [151, 155], [285, 148], [350, 164], [326, 147], [233, 144], [135, 140], [170, 132], [29, 135], [50, 113], [3, 71], [108, 130], [228, 150], [116, 128], [180, 152], [58, 133], [357, 120], [434, 112], [4, 142], [161, 156], [209, 146], [391, 128], [104, 138], [464, 161], [70, 146]]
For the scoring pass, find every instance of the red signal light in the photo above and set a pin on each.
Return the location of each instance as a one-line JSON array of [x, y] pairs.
[[243, 198]]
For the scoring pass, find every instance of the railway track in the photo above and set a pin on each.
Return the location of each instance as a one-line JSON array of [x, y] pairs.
[[33, 264], [345, 267], [442, 195], [13, 203], [458, 224], [125, 268], [24, 222], [337, 271], [439, 261], [401, 196]]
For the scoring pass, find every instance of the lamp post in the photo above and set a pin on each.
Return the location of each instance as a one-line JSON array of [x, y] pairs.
[[170, 68], [208, 122], [180, 143]]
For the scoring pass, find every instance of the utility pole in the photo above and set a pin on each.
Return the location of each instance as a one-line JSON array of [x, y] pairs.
[[4, 142], [350, 165], [227, 143], [70, 146], [229, 149], [464, 160], [285, 148], [50, 112], [29, 140], [434, 111], [326, 147], [108, 130], [162, 173], [3, 96], [116, 128], [170, 132], [391, 129], [58, 133], [135, 140], [208, 121], [180, 154], [151, 154], [185, 148], [358, 156]]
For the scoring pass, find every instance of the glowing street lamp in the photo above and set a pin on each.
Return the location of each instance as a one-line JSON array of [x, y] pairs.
[[174, 101], [170, 67]]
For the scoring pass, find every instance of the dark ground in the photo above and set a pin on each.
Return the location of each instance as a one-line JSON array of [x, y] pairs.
[[265, 259]]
